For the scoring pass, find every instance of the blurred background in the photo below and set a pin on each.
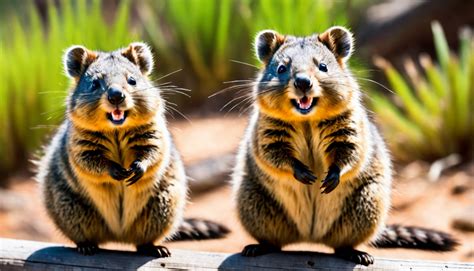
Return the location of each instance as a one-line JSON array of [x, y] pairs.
[[414, 60]]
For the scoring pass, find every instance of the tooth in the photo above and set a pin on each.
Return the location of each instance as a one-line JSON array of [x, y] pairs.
[[117, 115]]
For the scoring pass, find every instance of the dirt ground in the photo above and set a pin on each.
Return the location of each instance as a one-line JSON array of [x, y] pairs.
[[416, 201]]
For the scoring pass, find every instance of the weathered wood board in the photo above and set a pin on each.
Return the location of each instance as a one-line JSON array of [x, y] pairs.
[[30, 255]]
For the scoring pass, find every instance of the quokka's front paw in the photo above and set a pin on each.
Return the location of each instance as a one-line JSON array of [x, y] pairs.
[[117, 172], [332, 180], [137, 171], [302, 173]]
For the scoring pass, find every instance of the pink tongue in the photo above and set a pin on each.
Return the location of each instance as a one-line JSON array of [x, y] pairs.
[[117, 114], [305, 102]]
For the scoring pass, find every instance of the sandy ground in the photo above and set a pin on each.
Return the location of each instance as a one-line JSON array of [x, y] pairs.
[[415, 200]]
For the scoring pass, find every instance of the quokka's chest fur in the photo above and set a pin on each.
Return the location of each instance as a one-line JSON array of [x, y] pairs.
[[306, 139], [120, 146], [313, 212], [118, 203]]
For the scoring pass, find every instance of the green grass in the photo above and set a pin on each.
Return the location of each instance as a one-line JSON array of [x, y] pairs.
[[202, 37], [300, 17], [199, 37], [34, 86], [433, 117]]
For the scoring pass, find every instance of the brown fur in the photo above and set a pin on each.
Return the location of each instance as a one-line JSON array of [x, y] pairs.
[[116, 181], [321, 174]]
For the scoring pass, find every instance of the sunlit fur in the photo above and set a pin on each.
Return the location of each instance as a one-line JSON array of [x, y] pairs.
[[88, 204], [280, 143], [336, 89], [88, 109]]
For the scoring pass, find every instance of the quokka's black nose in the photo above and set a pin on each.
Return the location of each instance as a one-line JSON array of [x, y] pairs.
[[303, 82], [115, 96]]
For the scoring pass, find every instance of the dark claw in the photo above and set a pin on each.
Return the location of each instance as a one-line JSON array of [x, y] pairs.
[[332, 180], [87, 248], [302, 173], [259, 249], [137, 170], [154, 251], [117, 172], [135, 178], [356, 256]]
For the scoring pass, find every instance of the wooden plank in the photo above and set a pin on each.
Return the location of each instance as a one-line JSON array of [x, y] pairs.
[[30, 255]]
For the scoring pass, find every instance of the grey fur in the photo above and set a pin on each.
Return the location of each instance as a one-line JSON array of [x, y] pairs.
[[323, 174]]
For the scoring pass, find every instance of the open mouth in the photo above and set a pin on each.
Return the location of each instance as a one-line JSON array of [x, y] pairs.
[[117, 116], [305, 104]]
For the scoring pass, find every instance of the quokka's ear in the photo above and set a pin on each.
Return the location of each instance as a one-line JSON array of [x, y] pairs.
[[139, 53], [76, 60], [267, 43], [339, 40]]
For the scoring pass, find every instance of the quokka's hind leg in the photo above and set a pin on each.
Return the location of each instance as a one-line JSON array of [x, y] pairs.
[[154, 251], [154, 223], [157, 221], [264, 219], [75, 218], [262, 248], [356, 256], [362, 214], [87, 248]]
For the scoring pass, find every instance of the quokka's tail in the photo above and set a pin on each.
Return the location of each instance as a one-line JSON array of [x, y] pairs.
[[397, 236], [199, 229]]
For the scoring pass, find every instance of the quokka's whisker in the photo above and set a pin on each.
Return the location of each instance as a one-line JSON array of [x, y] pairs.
[[244, 63], [168, 74]]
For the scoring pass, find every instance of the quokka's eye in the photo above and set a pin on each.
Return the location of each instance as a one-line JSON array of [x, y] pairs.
[[323, 67], [131, 81], [281, 69], [95, 85]]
